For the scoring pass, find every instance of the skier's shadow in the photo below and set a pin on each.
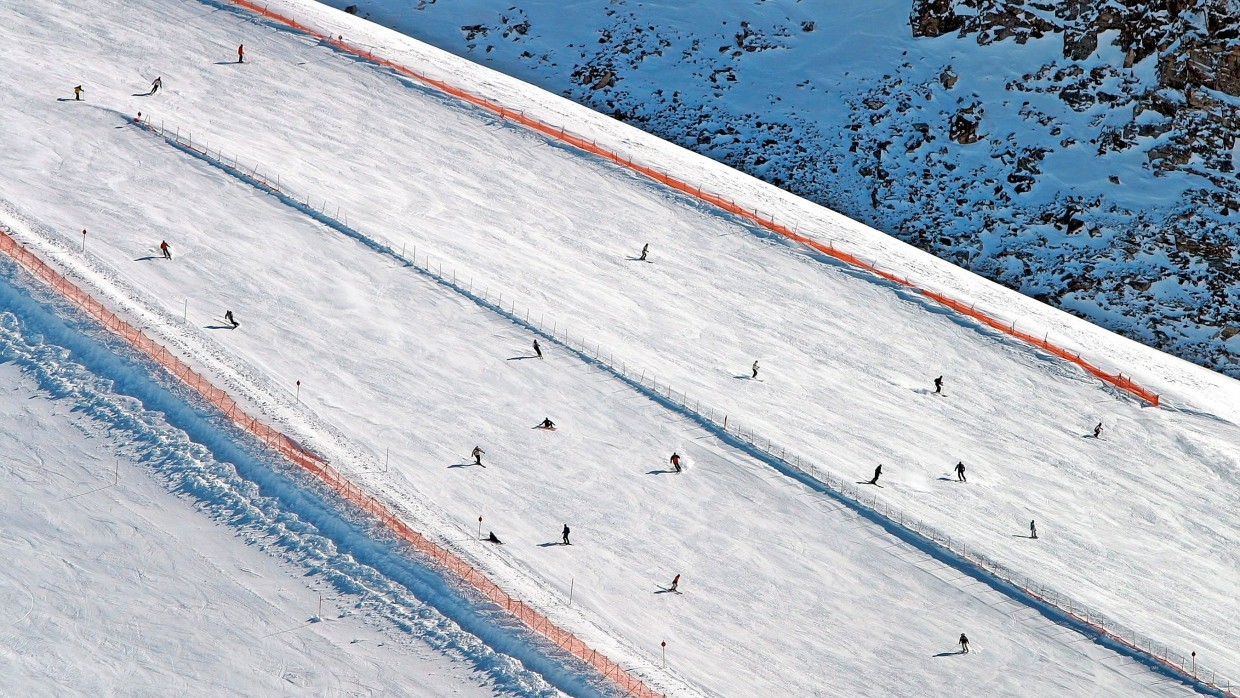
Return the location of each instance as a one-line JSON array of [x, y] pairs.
[[957, 653], [636, 259], [743, 377], [140, 94], [659, 472], [67, 99], [521, 358], [228, 63], [1022, 535], [462, 465], [664, 591], [1088, 436], [148, 258], [219, 327], [946, 479], [549, 545]]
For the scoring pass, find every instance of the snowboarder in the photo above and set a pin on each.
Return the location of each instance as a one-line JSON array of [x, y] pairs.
[[537, 349], [1033, 530], [156, 84], [960, 472], [877, 472], [964, 644], [645, 249], [229, 317], [938, 385], [676, 461], [77, 93], [241, 53], [163, 247], [493, 539], [1098, 430], [547, 424], [477, 454], [755, 369], [565, 535], [675, 582]]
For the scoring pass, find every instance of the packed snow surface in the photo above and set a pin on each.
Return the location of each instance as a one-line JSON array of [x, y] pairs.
[[784, 590]]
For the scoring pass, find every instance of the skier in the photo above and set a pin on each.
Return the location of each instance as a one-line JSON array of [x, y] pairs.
[[537, 349], [493, 539], [1033, 530], [877, 472], [565, 534], [1098, 430], [675, 582], [547, 424], [156, 84], [676, 461], [477, 454], [241, 53], [163, 247], [960, 472], [645, 249], [938, 385], [755, 369], [229, 317], [964, 644], [77, 93]]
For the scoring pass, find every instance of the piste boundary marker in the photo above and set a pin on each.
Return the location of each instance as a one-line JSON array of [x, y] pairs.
[[326, 474], [560, 134]]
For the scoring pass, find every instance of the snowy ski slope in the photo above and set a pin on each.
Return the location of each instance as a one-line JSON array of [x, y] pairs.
[[784, 590]]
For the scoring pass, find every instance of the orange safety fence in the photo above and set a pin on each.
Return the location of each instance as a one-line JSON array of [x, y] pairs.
[[322, 470], [590, 146]]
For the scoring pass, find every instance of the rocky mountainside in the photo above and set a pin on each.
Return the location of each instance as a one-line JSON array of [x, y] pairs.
[[1081, 152]]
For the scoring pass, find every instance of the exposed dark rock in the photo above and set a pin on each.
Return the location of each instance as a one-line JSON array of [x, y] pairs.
[[963, 127]]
